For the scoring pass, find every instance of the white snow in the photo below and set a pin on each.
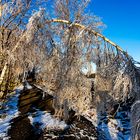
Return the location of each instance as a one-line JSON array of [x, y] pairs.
[[28, 86], [6, 115], [113, 130], [46, 120], [9, 112]]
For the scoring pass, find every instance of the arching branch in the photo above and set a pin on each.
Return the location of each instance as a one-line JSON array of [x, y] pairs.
[[92, 31]]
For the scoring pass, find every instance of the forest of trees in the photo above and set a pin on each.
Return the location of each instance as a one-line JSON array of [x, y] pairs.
[[57, 40]]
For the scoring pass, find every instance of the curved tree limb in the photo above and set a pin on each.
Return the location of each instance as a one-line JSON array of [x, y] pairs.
[[92, 31], [72, 24]]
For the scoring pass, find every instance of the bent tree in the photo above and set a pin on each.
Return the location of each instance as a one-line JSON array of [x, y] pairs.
[[28, 40], [62, 42]]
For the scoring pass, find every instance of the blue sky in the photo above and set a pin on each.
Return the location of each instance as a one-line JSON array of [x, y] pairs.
[[122, 18]]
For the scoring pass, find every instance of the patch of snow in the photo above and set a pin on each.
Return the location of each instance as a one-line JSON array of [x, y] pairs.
[[8, 112], [109, 131], [28, 86], [46, 120], [114, 129]]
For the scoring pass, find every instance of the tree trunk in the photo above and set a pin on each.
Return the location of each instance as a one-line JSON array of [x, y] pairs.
[[3, 73]]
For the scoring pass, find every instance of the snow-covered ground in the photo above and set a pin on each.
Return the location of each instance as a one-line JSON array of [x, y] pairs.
[[10, 111], [117, 128], [46, 120]]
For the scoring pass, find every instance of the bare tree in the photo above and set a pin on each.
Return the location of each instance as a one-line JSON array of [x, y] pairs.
[[14, 38], [59, 48], [59, 54]]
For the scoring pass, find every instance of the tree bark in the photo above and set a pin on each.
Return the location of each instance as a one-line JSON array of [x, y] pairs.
[[3, 73]]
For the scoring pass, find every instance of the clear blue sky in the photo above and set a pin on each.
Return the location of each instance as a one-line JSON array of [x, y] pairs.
[[122, 18]]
